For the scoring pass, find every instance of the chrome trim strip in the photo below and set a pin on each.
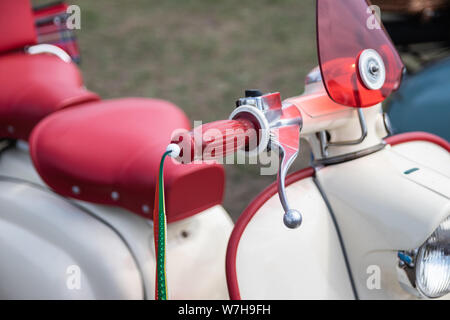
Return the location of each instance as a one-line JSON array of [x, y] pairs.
[[50, 49], [349, 156]]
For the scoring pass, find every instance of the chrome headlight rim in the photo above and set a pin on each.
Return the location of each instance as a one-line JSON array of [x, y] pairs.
[[436, 250], [434, 253], [419, 277]]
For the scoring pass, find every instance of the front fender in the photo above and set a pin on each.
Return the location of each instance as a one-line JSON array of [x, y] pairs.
[[266, 260]]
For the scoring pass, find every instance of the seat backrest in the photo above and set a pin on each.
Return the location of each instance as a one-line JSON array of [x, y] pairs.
[[16, 25]]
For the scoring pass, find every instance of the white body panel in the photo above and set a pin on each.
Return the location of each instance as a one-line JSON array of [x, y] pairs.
[[379, 211], [274, 262], [42, 234], [387, 210]]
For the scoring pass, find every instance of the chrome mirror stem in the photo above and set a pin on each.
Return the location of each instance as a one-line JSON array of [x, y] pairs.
[[324, 143]]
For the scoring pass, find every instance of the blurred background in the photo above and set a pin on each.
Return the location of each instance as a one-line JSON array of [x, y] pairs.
[[202, 55]]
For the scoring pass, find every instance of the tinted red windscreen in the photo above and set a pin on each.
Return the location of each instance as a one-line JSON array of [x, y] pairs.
[[344, 29]]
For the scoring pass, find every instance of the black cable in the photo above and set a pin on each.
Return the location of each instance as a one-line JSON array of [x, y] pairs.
[[341, 240]]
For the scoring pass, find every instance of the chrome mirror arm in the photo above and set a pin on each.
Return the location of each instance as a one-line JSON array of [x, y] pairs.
[[325, 144], [363, 126]]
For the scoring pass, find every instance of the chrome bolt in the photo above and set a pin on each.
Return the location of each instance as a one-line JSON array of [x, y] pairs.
[[76, 189], [115, 195], [145, 208]]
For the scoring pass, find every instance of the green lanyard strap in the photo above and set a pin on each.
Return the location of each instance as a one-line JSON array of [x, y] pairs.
[[160, 234]]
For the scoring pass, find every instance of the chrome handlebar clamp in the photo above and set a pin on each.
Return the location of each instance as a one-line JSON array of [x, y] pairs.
[[279, 124]]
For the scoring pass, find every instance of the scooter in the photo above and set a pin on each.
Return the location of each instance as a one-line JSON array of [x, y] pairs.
[[370, 219], [83, 229]]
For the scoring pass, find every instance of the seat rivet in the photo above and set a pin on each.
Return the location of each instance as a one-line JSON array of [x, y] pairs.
[[10, 129], [76, 189], [146, 208], [115, 195]]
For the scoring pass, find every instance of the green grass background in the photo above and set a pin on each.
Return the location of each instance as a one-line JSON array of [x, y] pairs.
[[201, 55]]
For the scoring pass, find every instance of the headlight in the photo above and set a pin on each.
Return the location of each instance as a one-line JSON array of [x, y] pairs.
[[433, 263]]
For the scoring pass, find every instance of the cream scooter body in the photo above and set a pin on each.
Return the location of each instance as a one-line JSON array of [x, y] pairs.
[[47, 241], [357, 214]]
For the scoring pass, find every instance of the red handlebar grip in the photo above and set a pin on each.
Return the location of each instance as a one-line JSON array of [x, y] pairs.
[[216, 139]]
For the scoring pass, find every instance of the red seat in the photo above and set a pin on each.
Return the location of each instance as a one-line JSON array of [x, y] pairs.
[[109, 152], [16, 25], [32, 87]]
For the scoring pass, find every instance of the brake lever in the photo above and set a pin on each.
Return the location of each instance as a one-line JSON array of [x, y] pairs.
[[279, 128], [283, 122], [285, 135]]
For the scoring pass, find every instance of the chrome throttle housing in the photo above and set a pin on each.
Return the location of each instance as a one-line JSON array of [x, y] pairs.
[[279, 126]]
